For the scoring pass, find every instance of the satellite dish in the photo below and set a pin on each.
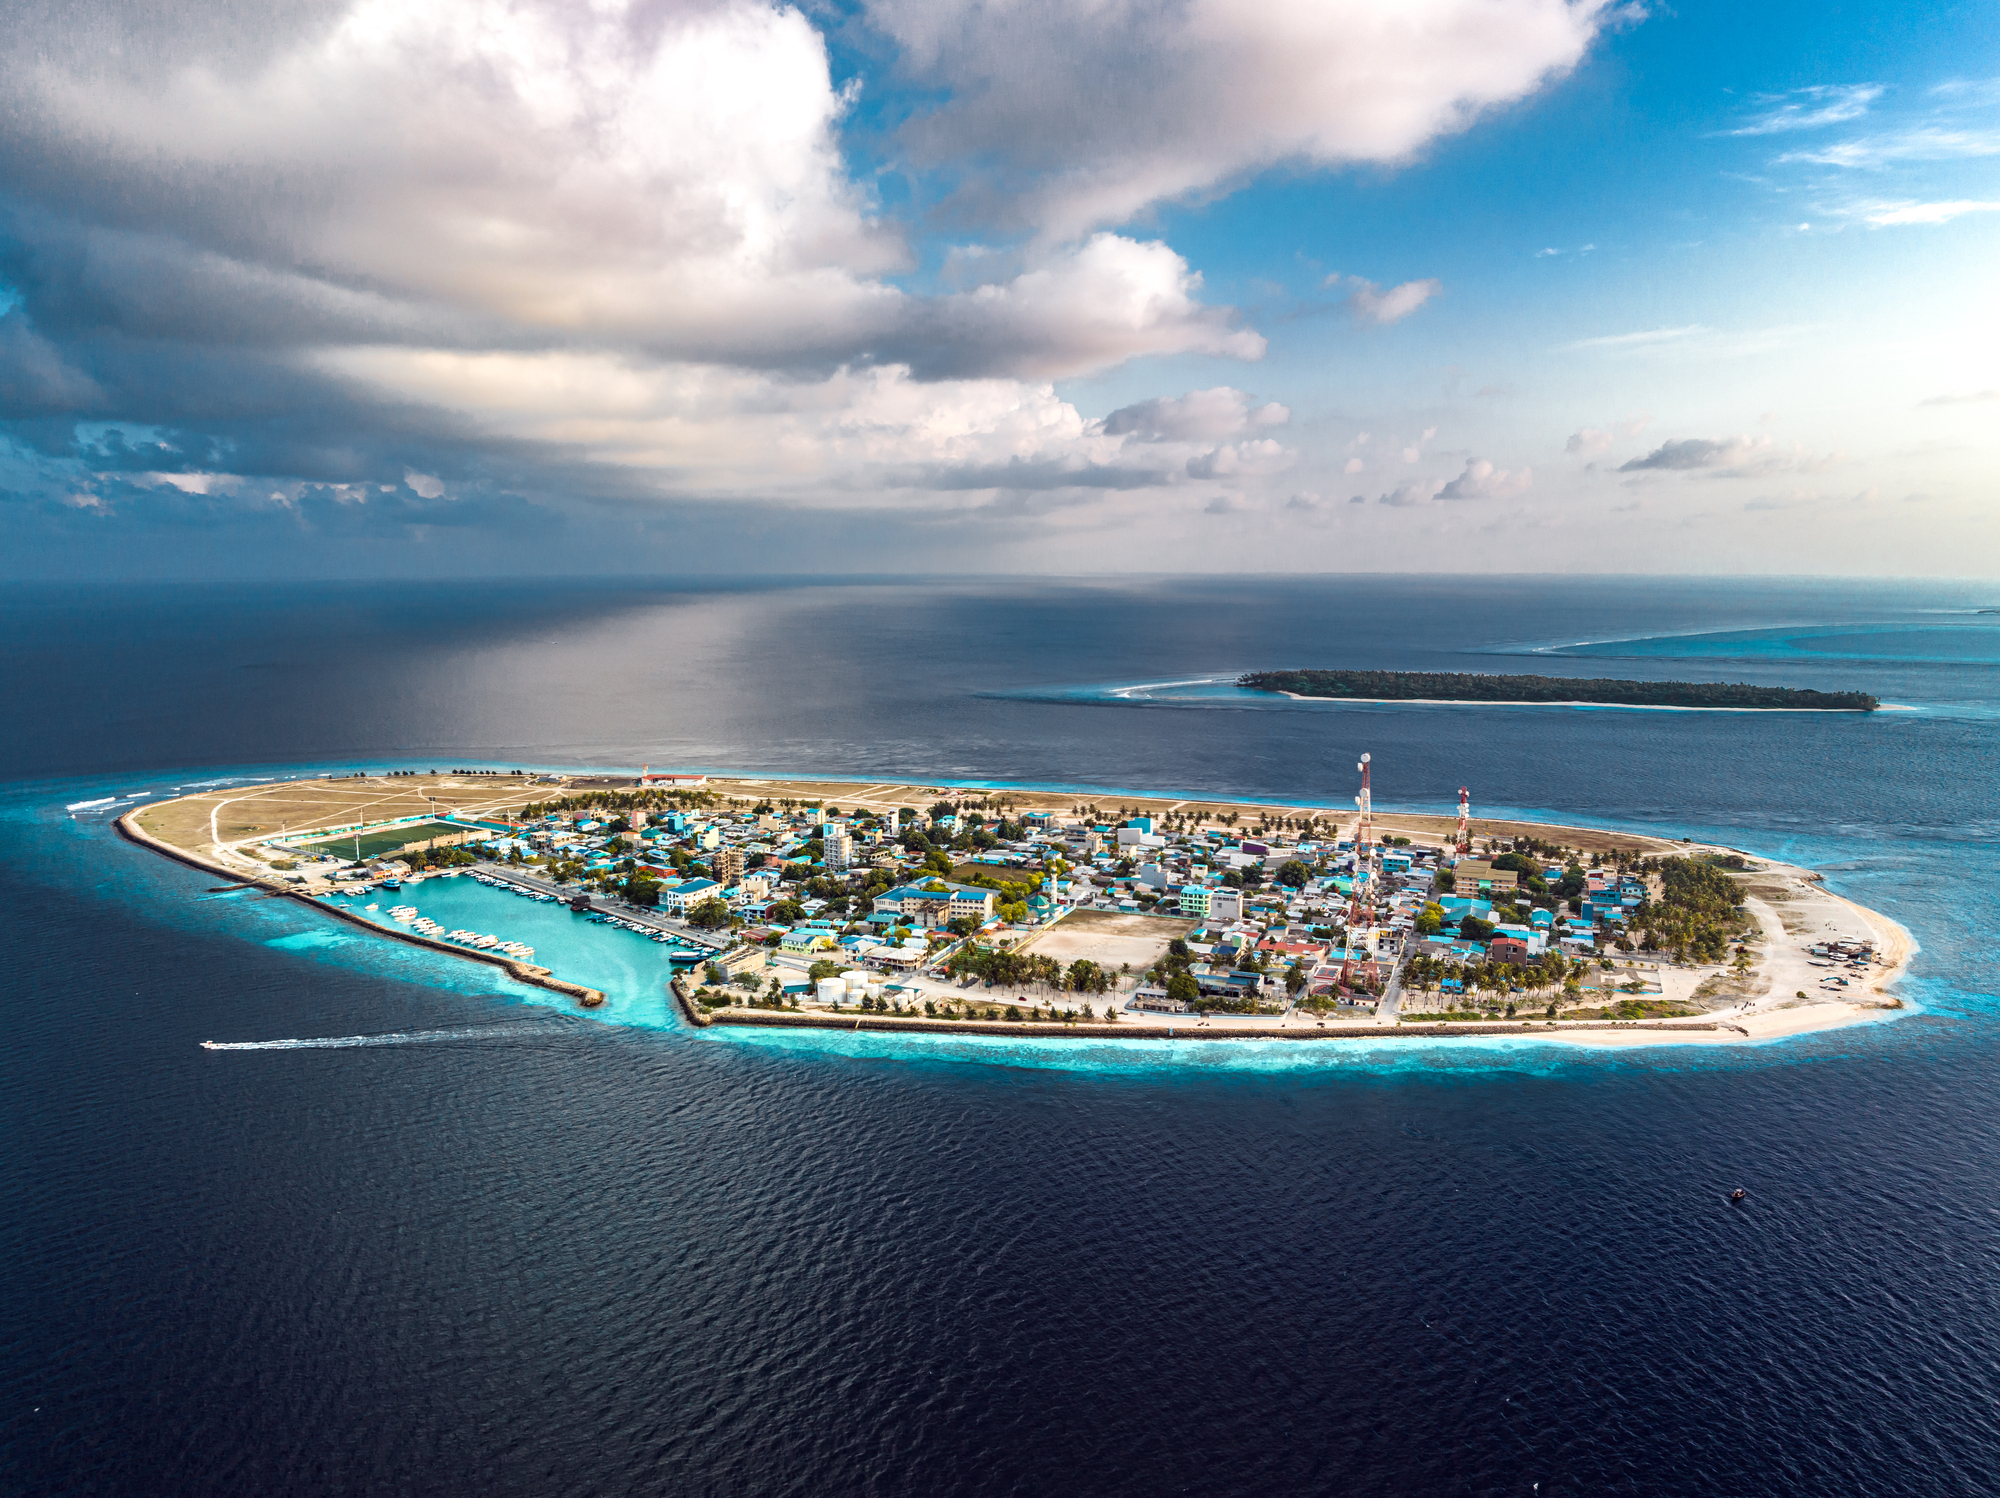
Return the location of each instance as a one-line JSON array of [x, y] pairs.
[[1364, 759]]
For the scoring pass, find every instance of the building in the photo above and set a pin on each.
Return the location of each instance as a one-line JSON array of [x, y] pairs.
[[679, 899], [727, 865], [1155, 1001], [1224, 904], [740, 960], [1471, 875], [838, 849], [1507, 949], [1195, 900], [936, 903]]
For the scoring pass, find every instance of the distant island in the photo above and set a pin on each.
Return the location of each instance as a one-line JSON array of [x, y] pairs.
[[1458, 686]]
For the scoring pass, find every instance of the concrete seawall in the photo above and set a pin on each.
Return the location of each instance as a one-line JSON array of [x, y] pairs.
[[541, 977], [1190, 1030]]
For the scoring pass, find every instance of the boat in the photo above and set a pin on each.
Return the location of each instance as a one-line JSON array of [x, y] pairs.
[[1738, 1194]]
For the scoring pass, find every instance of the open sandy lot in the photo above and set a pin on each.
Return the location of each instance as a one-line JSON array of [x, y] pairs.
[[1109, 939]]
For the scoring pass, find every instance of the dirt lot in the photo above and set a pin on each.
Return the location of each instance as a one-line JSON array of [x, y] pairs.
[[1109, 939], [298, 805]]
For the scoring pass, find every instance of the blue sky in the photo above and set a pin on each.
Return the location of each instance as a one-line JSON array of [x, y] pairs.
[[432, 288]]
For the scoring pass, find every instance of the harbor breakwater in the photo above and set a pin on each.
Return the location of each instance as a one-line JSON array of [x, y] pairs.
[[129, 829]]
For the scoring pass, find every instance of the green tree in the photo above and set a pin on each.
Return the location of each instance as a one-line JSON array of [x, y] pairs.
[[1182, 987], [709, 914], [1293, 873]]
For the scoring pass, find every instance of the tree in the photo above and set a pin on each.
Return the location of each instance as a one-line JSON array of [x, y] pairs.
[[709, 914], [1295, 979], [1182, 988], [1293, 873], [823, 969]]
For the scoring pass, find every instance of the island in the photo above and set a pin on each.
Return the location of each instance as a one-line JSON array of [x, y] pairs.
[[991, 910], [1460, 686]]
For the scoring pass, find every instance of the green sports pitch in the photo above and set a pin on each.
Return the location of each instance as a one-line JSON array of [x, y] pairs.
[[384, 840]]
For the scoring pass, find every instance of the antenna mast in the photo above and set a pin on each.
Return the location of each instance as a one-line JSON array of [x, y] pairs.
[[1464, 822]]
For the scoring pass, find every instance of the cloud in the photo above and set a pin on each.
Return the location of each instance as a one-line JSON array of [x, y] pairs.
[[1242, 459], [1413, 492], [1164, 99], [1481, 480], [1353, 465], [1689, 454], [35, 378], [575, 251], [1973, 398], [1199, 416], [1924, 143], [1885, 215], [1371, 304], [1478, 480], [1812, 108], [1591, 440], [1646, 338]]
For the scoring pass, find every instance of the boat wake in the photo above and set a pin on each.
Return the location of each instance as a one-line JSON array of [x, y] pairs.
[[406, 1037]]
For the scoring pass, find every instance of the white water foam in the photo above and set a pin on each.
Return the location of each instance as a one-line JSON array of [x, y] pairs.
[[87, 805], [348, 1042]]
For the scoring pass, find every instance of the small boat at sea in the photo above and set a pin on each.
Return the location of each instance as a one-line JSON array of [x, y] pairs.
[[1738, 1194]]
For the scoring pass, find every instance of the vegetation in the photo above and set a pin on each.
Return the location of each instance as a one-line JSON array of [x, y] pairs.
[[1455, 686], [1699, 910]]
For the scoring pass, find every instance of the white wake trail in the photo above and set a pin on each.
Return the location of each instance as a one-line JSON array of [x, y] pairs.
[[406, 1037]]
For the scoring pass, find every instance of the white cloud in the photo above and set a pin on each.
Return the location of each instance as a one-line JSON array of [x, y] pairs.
[[1354, 465], [1412, 492], [623, 230], [1885, 215], [1924, 143], [1592, 440], [1812, 108], [1647, 338], [1372, 304], [1481, 480], [1241, 459], [1729, 457], [1199, 416], [1165, 98]]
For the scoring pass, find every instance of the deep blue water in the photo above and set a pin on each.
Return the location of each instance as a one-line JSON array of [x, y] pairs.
[[528, 1252]]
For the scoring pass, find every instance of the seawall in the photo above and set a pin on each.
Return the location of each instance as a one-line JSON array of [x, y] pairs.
[[1189, 1030], [541, 977]]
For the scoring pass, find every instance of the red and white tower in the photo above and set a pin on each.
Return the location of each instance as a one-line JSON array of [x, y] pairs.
[[1364, 831], [1464, 822]]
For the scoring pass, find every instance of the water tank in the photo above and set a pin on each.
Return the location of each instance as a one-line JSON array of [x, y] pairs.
[[831, 990], [857, 983]]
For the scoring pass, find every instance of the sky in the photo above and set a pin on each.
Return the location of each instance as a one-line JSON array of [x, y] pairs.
[[405, 288]]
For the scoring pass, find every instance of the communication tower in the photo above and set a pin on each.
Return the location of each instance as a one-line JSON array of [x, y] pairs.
[[1364, 844], [1464, 822]]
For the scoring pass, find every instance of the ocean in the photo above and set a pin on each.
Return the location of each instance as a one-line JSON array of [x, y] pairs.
[[417, 1229]]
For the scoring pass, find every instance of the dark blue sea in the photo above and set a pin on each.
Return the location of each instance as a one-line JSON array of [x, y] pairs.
[[493, 1247]]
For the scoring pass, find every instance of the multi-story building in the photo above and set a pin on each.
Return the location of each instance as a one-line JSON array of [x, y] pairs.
[[936, 903], [838, 847], [727, 865]]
